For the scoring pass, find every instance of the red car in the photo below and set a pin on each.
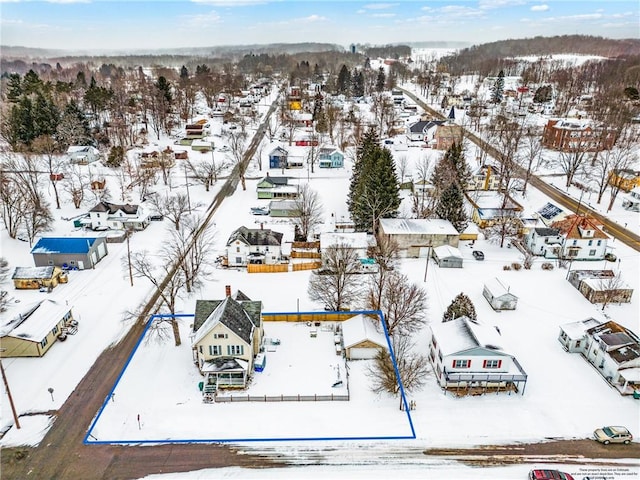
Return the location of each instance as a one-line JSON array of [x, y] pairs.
[[549, 475]]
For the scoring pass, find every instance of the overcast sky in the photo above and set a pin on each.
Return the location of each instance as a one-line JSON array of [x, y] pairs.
[[126, 24]]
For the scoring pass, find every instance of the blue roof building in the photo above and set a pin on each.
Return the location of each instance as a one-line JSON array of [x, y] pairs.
[[69, 252]]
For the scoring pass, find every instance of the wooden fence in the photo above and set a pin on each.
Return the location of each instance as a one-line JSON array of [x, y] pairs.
[[257, 268], [296, 254], [308, 245], [307, 317], [282, 398], [306, 266]]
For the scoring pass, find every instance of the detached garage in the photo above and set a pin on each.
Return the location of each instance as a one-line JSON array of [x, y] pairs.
[[447, 256], [361, 337], [69, 252]]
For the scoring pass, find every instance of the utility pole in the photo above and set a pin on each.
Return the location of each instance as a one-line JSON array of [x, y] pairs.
[[186, 182], [6, 385], [129, 257], [426, 267]]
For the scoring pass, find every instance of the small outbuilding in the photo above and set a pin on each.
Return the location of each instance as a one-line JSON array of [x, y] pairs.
[[362, 338], [499, 296], [38, 277], [447, 256]]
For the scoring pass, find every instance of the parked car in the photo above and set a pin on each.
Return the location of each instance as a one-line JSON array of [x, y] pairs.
[[549, 475], [260, 210], [478, 255], [607, 435], [610, 257]]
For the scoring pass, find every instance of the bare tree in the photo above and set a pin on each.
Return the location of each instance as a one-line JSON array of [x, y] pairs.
[[402, 164], [46, 145], [386, 255], [37, 217], [412, 367], [423, 204], [76, 180], [206, 172], [4, 275], [309, 209], [505, 226], [507, 137], [12, 202], [530, 159], [336, 284], [403, 304], [174, 207], [237, 150], [622, 156], [610, 289]]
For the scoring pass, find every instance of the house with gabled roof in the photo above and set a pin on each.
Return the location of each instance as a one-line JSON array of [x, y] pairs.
[[423, 130], [466, 354], [106, 215], [38, 277], [485, 177], [498, 294], [416, 235], [254, 245], [69, 252], [544, 241], [550, 213], [278, 158], [83, 154], [583, 238], [225, 339], [276, 187], [330, 157], [32, 332], [610, 347]]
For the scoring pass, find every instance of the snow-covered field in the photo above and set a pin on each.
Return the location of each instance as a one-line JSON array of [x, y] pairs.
[[564, 396]]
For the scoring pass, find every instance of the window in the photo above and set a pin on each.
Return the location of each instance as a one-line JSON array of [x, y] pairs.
[[220, 335], [590, 242], [461, 363], [592, 253], [492, 364], [43, 343], [578, 342], [215, 350], [235, 349], [55, 330], [237, 249], [599, 242], [575, 242], [200, 348]]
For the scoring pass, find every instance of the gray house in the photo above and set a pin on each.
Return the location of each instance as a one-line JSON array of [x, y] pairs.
[[447, 256], [498, 295], [284, 208], [69, 252]]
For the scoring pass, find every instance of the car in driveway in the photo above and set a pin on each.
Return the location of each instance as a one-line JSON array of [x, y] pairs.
[[549, 475], [610, 257], [478, 255], [607, 435]]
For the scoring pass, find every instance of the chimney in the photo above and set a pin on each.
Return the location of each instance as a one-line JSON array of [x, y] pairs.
[[227, 290], [261, 226]]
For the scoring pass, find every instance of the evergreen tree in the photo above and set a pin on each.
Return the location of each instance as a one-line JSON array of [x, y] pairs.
[[165, 88], [543, 94], [462, 306], [73, 128], [498, 88], [357, 83], [374, 190], [451, 168], [184, 74], [451, 207], [31, 83], [14, 87], [380, 80], [344, 77]]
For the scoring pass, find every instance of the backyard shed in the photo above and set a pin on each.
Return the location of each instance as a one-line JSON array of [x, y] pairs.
[[361, 337], [37, 277], [498, 295], [447, 257]]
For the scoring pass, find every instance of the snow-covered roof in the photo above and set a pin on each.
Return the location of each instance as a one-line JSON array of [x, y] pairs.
[[577, 330], [231, 314], [600, 284], [360, 328], [352, 239], [23, 273], [64, 245], [497, 287], [37, 325], [444, 251], [462, 334], [224, 364], [412, 226]]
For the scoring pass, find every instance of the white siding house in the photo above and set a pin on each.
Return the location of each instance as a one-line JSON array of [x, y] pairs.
[[258, 246], [498, 295]]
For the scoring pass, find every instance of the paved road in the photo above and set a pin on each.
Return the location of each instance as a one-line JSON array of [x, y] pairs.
[[612, 228], [62, 454]]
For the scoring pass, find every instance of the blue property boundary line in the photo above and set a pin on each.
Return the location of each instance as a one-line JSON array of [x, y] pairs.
[[89, 439]]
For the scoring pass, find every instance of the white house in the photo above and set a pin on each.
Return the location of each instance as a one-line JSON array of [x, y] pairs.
[[466, 354], [631, 201], [423, 131], [107, 215], [582, 238], [613, 349], [83, 154], [254, 245], [362, 337], [544, 241], [498, 295]]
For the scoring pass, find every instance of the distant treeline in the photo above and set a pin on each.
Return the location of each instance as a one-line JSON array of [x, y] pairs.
[[386, 51]]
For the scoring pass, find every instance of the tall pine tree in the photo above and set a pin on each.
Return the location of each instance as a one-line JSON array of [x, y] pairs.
[[374, 190], [498, 88], [451, 207]]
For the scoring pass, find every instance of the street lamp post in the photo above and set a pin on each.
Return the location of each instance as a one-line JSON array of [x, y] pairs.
[[6, 385]]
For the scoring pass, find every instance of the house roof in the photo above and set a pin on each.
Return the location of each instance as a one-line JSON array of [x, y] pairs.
[[417, 226], [64, 245], [279, 151], [36, 322], [112, 208], [283, 205], [275, 180], [256, 236], [351, 239], [230, 314], [577, 330], [570, 226], [462, 334], [360, 328], [24, 273], [82, 149], [224, 364], [549, 211], [326, 151], [204, 308], [497, 288], [424, 125], [547, 232]]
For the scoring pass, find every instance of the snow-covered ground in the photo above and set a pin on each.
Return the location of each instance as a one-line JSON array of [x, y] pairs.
[[564, 396]]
